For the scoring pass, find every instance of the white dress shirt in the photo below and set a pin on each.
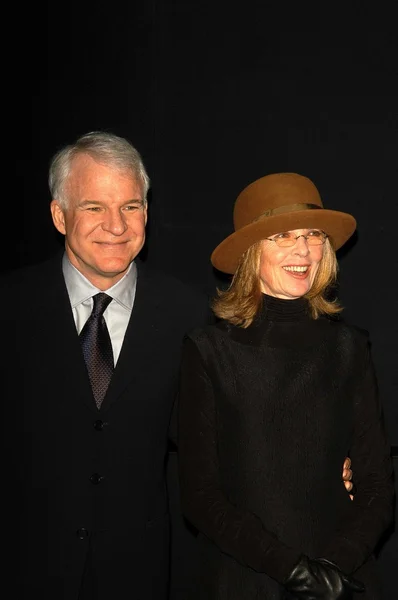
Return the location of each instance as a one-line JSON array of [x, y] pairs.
[[117, 314]]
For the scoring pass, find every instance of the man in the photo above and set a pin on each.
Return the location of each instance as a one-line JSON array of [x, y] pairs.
[[88, 478], [90, 390]]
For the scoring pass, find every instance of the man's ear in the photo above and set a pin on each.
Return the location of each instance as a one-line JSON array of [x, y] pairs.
[[58, 216]]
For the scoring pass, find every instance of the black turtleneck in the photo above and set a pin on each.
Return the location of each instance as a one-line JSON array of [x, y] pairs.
[[281, 323], [267, 416], [277, 309]]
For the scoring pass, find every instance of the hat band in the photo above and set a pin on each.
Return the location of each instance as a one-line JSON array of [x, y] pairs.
[[287, 208]]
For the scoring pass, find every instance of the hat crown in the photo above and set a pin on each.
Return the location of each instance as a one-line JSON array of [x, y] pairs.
[[273, 192]]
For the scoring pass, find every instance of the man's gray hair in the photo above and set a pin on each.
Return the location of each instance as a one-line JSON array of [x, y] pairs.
[[106, 148]]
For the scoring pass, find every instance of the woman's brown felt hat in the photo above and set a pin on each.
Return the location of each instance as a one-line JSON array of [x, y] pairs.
[[276, 203]]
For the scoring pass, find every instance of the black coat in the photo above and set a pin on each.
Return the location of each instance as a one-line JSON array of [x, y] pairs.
[[77, 477], [267, 416]]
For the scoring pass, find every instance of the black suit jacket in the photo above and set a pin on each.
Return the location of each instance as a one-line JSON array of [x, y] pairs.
[[78, 478]]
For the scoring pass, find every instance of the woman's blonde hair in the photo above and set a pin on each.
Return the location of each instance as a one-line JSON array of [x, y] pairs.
[[240, 303]]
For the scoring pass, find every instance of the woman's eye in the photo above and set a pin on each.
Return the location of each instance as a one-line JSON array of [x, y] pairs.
[[283, 235], [315, 233]]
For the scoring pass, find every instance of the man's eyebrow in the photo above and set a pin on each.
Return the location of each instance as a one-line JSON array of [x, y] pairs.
[[87, 202], [135, 201], [99, 203]]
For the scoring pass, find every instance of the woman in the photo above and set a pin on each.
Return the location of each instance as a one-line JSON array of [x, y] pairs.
[[279, 389]]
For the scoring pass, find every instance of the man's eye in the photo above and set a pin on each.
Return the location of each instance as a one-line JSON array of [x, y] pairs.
[[93, 208], [283, 236], [132, 207], [315, 233]]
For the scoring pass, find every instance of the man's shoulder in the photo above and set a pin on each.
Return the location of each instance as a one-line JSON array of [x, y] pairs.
[[25, 289], [32, 274], [169, 287], [174, 297]]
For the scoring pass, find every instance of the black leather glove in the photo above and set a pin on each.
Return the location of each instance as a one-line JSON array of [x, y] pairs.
[[320, 579]]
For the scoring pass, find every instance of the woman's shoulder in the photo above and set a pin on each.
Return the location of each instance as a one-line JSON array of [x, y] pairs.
[[348, 334], [344, 325], [209, 333]]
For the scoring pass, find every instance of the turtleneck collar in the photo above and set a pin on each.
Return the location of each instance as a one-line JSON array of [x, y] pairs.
[[276, 309], [277, 324]]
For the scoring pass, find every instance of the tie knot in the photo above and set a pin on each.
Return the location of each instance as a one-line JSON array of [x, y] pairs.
[[101, 302]]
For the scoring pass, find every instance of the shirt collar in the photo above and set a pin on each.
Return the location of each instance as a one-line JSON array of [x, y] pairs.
[[80, 289]]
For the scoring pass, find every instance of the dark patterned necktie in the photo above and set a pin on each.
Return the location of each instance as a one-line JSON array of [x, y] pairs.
[[97, 348]]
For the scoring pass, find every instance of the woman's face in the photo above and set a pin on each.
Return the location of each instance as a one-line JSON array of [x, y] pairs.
[[289, 273]]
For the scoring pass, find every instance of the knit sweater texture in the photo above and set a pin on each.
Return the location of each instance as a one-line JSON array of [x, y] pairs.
[[267, 416]]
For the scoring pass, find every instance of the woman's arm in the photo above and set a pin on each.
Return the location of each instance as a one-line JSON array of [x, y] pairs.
[[236, 532], [357, 536]]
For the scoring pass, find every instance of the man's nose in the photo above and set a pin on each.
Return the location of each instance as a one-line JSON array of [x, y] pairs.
[[114, 222]]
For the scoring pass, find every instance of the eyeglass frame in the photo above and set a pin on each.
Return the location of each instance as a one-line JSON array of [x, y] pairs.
[[305, 236]]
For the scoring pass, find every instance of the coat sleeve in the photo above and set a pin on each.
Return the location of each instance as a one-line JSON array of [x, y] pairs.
[[201, 316], [371, 511], [235, 531]]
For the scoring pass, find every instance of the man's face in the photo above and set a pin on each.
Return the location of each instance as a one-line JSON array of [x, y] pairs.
[[104, 224]]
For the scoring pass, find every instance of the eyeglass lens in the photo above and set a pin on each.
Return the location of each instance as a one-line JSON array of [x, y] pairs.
[[313, 238]]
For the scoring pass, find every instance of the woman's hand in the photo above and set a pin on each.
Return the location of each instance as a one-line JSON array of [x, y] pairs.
[[316, 579]]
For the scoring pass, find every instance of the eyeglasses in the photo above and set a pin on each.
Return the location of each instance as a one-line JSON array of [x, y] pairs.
[[287, 239]]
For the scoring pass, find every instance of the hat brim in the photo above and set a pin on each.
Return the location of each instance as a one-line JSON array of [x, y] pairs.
[[339, 227]]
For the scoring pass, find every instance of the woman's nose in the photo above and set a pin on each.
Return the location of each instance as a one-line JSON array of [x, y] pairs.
[[301, 246]]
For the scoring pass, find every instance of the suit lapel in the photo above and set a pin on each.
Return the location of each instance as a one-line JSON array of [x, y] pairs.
[[140, 338], [58, 340]]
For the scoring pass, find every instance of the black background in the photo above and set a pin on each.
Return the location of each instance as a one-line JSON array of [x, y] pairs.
[[214, 97]]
